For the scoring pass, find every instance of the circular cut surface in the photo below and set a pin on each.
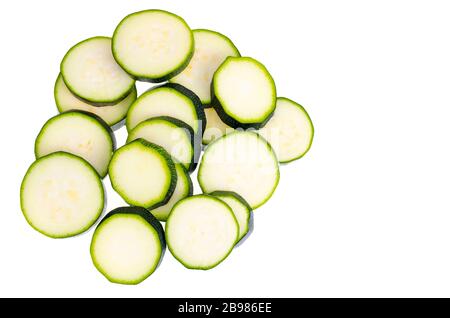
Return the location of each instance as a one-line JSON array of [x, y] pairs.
[[289, 131], [242, 162], [152, 43], [140, 174], [125, 248], [61, 195], [245, 89], [201, 231], [90, 71], [80, 134]]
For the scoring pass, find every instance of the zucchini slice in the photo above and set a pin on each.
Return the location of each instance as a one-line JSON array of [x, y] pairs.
[[211, 49], [183, 189], [153, 45], [61, 195], [91, 73], [175, 136], [215, 127], [242, 162], [80, 133], [290, 131], [112, 115], [243, 93], [128, 245], [143, 174], [171, 100], [201, 231], [242, 211]]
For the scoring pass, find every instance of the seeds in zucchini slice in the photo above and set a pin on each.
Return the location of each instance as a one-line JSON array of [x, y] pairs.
[[128, 245], [243, 93], [171, 100], [143, 174], [153, 45], [290, 131], [80, 133], [215, 127], [183, 189], [112, 115], [242, 211], [61, 195], [174, 135], [201, 231], [211, 49], [91, 73], [242, 162]]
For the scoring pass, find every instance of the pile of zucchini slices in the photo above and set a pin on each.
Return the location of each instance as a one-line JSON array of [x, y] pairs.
[[209, 97]]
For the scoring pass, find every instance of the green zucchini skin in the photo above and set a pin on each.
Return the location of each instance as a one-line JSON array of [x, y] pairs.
[[231, 121], [97, 104], [148, 218], [190, 183], [146, 215], [195, 100], [197, 267], [92, 102], [114, 124], [236, 53], [196, 146], [89, 166], [85, 113], [237, 196], [170, 164], [198, 107], [234, 194], [167, 76], [227, 119], [312, 130], [190, 191], [212, 144]]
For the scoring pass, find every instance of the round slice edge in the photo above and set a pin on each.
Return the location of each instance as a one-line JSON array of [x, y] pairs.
[[80, 133], [61, 195], [91, 73], [128, 245], [201, 231]]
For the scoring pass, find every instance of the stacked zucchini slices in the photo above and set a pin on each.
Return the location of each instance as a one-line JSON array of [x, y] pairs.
[[208, 95]]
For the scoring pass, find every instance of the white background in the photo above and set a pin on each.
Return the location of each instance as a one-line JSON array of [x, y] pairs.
[[365, 213]]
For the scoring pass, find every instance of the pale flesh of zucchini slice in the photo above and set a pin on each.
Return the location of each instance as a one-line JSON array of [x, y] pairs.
[[61, 195], [143, 174], [215, 127], [128, 245], [242, 162], [290, 131], [242, 211], [211, 49], [81, 134], [153, 45], [243, 93], [171, 100], [201, 231], [91, 73], [183, 189], [175, 136], [112, 115]]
